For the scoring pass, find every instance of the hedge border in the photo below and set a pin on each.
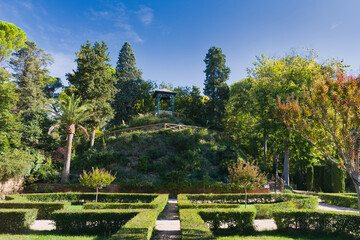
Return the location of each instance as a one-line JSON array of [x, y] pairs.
[[341, 200], [229, 200], [16, 220], [159, 202], [346, 223], [194, 227]]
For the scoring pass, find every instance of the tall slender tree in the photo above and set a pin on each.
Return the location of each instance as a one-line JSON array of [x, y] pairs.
[[216, 89], [128, 78], [29, 65], [70, 112], [94, 82]]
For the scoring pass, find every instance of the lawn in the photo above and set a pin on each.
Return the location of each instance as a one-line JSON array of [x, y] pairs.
[[274, 235]]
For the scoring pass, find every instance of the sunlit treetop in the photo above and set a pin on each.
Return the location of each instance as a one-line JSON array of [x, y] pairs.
[[12, 39]]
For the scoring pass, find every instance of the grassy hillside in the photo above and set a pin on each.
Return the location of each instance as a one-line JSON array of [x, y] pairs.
[[160, 158]]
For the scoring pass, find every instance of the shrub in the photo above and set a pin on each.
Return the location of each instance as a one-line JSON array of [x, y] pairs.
[[16, 220], [319, 221], [81, 197], [193, 226], [348, 200], [91, 222], [45, 209], [237, 220], [309, 178], [264, 211], [97, 179]]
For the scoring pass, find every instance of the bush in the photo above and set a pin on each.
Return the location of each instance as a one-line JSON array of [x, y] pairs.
[[16, 220], [237, 220], [193, 226], [85, 197], [158, 203], [91, 222], [264, 211], [348, 200], [228, 200], [45, 209], [319, 221]]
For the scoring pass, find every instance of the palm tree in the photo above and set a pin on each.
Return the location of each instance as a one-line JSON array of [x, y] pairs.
[[70, 112]]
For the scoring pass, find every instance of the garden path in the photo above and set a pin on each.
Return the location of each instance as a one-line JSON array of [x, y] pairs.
[[168, 224]]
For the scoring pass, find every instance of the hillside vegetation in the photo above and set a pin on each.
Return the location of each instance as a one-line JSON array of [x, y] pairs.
[[161, 158]]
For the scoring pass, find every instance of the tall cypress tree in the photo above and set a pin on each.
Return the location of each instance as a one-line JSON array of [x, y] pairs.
[[216, 89], [30, 71], [129, 78], [94, 81]]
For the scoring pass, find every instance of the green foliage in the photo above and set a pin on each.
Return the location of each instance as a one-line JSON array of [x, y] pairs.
[[29, 65], [87, 197], [158, 203], [343, 223], [45, 209], [309, 177], [349, 201], [16, 163], [91, 222], [98, 158], [9, 122], [264, 211], [229, 200], [16, 220], [11, 38], [216, 89], [128, 84], [97, 179], [237, 220], [193, 227]]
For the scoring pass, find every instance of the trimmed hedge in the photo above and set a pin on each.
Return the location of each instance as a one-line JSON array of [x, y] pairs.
[[16, 220], [91, 222], [45, 209], [138, 228], [228, 200], [159, 202], [264, 211], [237, 220], [342, 200], [320, 221], [85, 197], [193, 226]]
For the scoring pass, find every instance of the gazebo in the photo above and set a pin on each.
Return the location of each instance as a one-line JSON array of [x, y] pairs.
[[164, 94]]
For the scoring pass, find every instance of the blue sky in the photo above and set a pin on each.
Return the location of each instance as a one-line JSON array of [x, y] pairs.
[[171, 38]]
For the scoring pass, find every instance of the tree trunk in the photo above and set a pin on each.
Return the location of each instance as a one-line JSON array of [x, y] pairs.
[[286, 163], [245, 198], [97, 193], [275, 167], [70, 130], [357, 188], [265, 149], [92, 140]]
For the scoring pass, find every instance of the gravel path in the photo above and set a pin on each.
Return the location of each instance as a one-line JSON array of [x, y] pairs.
[[168, 224], [328, 207]]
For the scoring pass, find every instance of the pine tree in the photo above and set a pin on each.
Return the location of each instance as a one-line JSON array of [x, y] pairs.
[[30, 71], [129, 78], [216, 89], [94, 82]]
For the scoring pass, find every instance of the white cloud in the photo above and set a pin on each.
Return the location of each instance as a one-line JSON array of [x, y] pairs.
[[63, 63], [146, 15], [335, 25]]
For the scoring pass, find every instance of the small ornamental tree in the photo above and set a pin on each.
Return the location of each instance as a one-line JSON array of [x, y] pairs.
[[246, 176], [97, 178]]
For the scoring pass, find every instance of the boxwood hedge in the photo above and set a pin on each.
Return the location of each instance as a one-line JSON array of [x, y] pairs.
[[321, 221], [16, 220], [342, 200]]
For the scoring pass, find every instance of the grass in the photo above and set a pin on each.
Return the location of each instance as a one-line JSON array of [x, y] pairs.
[[274, 235], [47, 236], [76, 207]]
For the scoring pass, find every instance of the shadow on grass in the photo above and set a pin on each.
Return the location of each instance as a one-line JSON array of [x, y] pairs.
[[57, 233]]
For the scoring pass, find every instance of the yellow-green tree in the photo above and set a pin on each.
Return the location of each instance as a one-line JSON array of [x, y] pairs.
[[97, 179]]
